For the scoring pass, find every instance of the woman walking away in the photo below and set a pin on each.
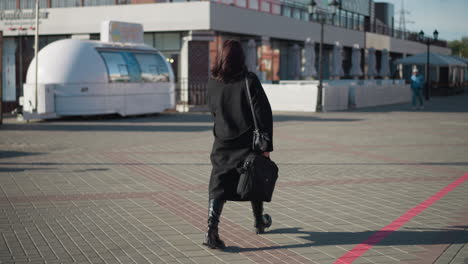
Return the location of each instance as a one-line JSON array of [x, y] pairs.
[[233, 133]]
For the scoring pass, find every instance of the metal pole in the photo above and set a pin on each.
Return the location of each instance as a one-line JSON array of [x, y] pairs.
[[320, 87], [36, 52], [1, 76], [428, 78]]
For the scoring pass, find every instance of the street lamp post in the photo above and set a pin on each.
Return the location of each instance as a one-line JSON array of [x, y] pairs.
[[322, 16], [36, 55], [428, 41]]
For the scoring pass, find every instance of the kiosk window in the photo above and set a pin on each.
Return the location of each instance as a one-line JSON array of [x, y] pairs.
[[116, 66], [153, 67]]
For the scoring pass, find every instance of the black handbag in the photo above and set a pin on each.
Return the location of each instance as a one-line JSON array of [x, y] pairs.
[[258, 174]]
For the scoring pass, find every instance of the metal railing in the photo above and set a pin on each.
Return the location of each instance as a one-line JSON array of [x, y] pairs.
[[191, 92], [399, 34], [290, 8]]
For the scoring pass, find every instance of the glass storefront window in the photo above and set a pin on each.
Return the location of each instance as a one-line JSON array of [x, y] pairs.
[[356, 21], [305, 15], [65, 3], [148, 39], [7, 4], [343, 20], [167, 41], [296, 13], [336, 19], [265, 6], [286, 11], [153, 68], [31, 4], [241, 3], [276, 9], [350, 20], [98, 2], [361, 23], [253, 4]]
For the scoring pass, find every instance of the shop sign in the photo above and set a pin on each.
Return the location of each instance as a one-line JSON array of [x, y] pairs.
[[22, 15], [123, 32]]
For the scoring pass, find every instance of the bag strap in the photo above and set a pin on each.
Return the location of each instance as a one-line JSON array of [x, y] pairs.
[[251, 104]]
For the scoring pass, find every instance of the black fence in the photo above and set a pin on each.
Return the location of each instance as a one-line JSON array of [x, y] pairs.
[[191, 92]]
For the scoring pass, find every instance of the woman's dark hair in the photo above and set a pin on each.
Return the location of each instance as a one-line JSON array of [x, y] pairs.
[[230, 64]]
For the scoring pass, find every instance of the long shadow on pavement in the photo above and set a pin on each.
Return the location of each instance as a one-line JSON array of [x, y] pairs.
[[70, 127], [140, 124], [5, 154], [395, 238], [209, 164]]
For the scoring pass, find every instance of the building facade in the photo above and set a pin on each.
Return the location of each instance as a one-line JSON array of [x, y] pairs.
[[189, 34]]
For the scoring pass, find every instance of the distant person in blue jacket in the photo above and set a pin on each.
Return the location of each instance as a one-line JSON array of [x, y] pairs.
[[417, 84]]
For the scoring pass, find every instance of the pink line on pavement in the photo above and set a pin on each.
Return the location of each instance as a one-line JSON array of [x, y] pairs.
[[360, 249]]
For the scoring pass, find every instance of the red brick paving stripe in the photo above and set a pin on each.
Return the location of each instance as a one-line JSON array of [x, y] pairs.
[[231, 233], [151, 173], [374, 239], [103, 196]]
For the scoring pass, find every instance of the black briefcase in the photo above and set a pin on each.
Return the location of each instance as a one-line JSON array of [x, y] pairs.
[[257, 179]]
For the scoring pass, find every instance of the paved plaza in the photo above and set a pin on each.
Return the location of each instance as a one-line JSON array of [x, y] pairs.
[[378, 185]]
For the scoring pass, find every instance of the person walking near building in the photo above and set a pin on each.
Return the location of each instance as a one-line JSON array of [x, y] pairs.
[[233, 134], [417, 84]]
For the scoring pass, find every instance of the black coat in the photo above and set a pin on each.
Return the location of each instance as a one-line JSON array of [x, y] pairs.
[[233, 129]]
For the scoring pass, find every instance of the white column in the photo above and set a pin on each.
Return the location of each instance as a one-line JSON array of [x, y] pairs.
[[185, 65]]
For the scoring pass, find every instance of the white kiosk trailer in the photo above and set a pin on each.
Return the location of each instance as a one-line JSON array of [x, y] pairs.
[[119, 74]]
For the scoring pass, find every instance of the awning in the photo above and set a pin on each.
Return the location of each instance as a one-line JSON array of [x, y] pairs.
[[435, 59]]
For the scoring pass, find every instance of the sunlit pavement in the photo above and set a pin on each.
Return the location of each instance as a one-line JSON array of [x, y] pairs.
[[378, 185]]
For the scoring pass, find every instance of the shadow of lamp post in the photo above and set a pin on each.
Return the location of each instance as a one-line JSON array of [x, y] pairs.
[[321, 14], [428, 41]]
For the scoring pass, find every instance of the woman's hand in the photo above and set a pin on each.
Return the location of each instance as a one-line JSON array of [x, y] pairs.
[[266, 154]]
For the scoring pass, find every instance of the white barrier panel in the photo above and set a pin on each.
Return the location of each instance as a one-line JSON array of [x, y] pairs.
[[337, 94], [292, 96], [375, 93]]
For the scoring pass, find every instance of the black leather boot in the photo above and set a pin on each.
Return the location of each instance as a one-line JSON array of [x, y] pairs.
[[262, 221], [212, 239]]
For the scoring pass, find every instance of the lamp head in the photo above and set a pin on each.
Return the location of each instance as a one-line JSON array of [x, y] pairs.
[[421, 35], [436, 34], [335, 5], [312, 6]]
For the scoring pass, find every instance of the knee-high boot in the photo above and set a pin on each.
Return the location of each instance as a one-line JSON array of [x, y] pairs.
[[212, 239], [262, 221]]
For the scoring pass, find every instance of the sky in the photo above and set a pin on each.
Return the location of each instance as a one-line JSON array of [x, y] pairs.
[[449, 17]]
